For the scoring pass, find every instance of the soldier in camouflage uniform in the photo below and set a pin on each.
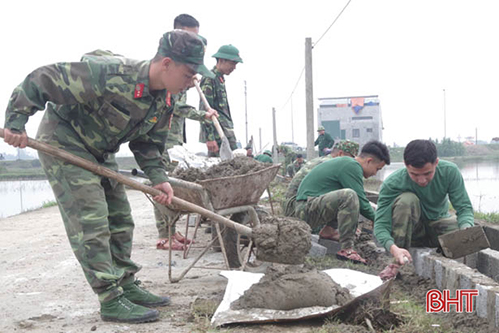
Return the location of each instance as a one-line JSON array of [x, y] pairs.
[[214, 90], [342, 148], [92, 107], [332, 194], [176, 137], [324, 140], [413, 204], [294, 167]]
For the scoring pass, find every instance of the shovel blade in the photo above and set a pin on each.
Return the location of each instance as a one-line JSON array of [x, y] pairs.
[[460, 243], [225, 151]]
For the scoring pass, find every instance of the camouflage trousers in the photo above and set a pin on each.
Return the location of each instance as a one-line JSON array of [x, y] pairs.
[[290, 170], [411, 229], [95, 211], [289, 205], [165, 216], [338, 209]]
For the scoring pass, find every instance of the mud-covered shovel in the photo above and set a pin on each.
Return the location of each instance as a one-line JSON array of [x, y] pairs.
[[225, 151], [274, 250]]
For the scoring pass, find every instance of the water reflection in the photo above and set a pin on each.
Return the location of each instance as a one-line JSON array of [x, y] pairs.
[[19, 196], [481, 179]]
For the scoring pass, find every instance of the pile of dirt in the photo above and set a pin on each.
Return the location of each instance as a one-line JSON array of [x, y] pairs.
[[285, 240], [239, 165], [292, 287]]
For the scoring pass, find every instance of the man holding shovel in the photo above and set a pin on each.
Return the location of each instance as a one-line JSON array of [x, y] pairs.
[[332, 195], [216, 95], [413, 204], [93, 106], [176, 136]]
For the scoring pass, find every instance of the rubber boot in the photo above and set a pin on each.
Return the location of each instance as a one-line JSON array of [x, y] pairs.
[[121, 310], [140, 296]]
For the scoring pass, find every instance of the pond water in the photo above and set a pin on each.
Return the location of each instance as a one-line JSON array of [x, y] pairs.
[[481, 179]]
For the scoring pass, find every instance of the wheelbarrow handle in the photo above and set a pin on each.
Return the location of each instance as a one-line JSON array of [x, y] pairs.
[[106, 172]]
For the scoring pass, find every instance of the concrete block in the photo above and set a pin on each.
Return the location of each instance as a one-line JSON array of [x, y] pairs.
[[439, 271], [493, 264], [483, 262], [451, 276], [418, 255], [317, 251], [192, 219], [492, 234], [482, 301], [471, 260], [332, 246], [428, 267], [315, 238]]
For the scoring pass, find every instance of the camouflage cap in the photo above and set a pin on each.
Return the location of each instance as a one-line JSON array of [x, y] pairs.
[[185, 47], [321, 128], [348, 147]]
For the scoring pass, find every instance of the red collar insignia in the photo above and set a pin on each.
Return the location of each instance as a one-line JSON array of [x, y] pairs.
[[168, 99], [139, 90]]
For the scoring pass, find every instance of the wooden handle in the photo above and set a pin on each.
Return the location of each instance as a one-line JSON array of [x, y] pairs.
[[207, 106], [103, 171]]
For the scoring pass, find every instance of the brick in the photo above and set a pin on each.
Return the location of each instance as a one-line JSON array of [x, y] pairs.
[[481, 301], [471, 260], [418, 255], [492, 234], [317, 251], [332, 246], [439, 274], [483, 262]]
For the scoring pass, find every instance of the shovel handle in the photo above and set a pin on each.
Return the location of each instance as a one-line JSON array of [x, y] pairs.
[[207, 106], [105, 172]]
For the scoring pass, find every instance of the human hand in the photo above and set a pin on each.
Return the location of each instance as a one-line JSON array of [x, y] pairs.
[[165, 198], [210, 113], [15, 138], [212, 146], [400, 255]]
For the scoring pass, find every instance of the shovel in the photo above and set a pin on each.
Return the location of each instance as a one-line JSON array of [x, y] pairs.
[[182, 204], [460, 243], [225, 151]]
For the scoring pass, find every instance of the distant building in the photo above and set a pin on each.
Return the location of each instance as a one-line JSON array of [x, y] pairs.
[[353, 118]]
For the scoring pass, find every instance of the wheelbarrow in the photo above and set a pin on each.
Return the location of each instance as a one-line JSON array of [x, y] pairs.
[[234, 196]]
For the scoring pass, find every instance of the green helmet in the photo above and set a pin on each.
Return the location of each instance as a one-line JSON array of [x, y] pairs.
[[268, 152], [228, 52], [321, 128]]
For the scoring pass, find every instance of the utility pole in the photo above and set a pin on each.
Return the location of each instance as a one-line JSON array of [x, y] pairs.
[[292, 125], [274, 148], [260, 132], [445, 118], [246, 110], [476, 135], [309, 100]]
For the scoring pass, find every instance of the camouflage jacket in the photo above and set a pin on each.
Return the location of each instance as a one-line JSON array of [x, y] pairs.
[[106, 100], [176, 132], [214, 90], [300, 175]]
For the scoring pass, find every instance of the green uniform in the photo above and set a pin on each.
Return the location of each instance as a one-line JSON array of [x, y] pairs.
[[92, 107], [324, 141], [216, 95], [289, 203], [332, 194], [411, 215], [294, 167], [264, 158]]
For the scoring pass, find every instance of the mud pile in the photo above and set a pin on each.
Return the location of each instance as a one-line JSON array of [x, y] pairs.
[[239, 165], [285, 240], [293, 287]]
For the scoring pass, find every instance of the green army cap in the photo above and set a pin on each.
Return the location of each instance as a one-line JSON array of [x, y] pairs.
[[268, 152], [321, 128], [228, 52], [185, 47], [348, 147]]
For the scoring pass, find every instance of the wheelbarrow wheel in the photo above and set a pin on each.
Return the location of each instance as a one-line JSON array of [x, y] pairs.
[[237, 246]]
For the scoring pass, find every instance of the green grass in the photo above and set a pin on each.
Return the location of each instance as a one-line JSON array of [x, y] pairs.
[[487, 217], [47, 204]]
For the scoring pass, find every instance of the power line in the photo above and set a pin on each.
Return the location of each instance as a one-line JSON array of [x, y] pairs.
[[293, 91], [337, 17]]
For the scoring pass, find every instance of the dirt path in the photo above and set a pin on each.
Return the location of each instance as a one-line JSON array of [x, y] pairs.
[[43, 288]]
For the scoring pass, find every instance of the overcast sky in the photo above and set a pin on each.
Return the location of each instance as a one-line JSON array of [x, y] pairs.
[[406, 52]]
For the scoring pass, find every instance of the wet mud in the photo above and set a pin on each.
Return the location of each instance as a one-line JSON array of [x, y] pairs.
[[239, 165], [284, 240], [292, 287]]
